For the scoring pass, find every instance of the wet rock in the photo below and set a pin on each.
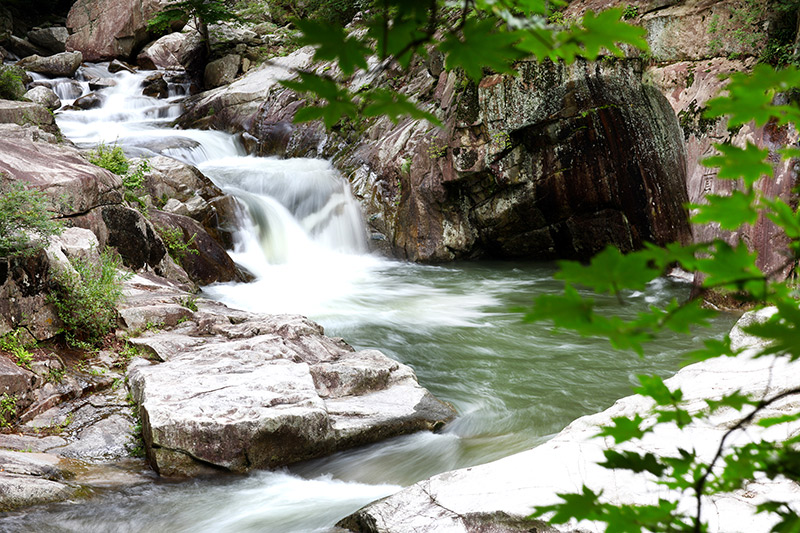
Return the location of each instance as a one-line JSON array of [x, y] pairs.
[[27, 443], [268, 391], [167, 52], [27, 114], [116, 66], [95, 84], [52, 39], [30, 479], [171, 178], [58, 65], [204, 260], [88, 101], [110, 29], [222, 71], [72, 184], [155, 86], [44, 97]]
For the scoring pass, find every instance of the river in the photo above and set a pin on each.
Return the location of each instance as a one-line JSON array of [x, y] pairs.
[[513, 384]]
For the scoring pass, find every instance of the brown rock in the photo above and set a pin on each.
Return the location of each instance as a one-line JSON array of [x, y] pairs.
[[61, 65], [222, 71], [167, 52]]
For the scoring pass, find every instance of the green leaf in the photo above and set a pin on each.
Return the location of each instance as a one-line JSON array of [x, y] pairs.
[[394, 105], [339, 101], [730, 212], [746, 163], [731, 268], [783, 215], [653, 386], [735, 400], [479, 46], [629, 460], [611, 271], [579, 506], [333, 44], [606, 30], [624, 429], [775, 420]]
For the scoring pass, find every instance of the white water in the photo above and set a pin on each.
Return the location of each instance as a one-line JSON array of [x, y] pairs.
[[513, 384]]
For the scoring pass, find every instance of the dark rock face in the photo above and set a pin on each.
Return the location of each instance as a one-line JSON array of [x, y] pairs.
[[209, 262], [53, 39], [24, 285], [132, 236]]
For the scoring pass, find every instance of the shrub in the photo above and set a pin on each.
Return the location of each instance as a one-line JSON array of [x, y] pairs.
[[25, 223], [110, 158], [8, 409], [86, 299], [11, 86], [11, 343], [177, 247]]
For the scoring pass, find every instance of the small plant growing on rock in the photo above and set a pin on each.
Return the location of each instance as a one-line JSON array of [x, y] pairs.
[[630, 12], [8, 409], [110, 158], [25, 223], [11, 86], [86, 298], [177, 246], [11, 343]]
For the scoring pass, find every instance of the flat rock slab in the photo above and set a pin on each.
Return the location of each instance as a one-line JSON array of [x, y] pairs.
[[31, 478], [240, 391]]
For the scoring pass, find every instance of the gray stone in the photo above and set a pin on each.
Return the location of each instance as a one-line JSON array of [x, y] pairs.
[[222, 71], [58, 65], [27, 443], [44, 97], [164, 53], [268, 391], [88, 101], [23, 47], [31, 478], [27, 114], [53, 39]]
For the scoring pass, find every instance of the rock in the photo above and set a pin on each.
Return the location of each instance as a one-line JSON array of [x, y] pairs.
[[6, 23], [268, 391], [155, 86], [28, 443], [471, 499], [63, 65], [44, 97], [129, 232], [116, 66], [166, 52], [72, 184], [52, 39], [23, 47], [171, 178], [27, 114], [15, 380], [24, 285], [222, 71], [205, 260], [227, 35], [88, 101], [95, 84], [110, 29], [30, 479]]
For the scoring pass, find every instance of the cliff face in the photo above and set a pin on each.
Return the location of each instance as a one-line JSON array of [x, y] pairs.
[[557, 162]]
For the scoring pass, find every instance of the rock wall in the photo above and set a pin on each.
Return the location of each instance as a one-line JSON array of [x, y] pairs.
[[558, 162]]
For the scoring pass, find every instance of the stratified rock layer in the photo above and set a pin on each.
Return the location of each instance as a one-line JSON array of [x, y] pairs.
[[239, 391]]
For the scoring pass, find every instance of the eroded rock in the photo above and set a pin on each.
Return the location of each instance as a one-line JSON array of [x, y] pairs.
[[64, 64], [44, 97]]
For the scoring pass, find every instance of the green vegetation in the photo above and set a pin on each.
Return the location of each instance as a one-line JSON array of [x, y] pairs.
[[729, 269], [11, 86], [11, 343], [86, 298], [177, 246], [25, 223], [189, 302], [8, 409], [630, 12], [110, 158], [201, 12], [492, 35]]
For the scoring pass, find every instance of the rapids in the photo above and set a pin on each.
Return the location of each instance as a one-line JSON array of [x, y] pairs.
[[514, 384]]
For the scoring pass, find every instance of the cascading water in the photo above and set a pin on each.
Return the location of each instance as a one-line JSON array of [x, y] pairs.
[[513, 384]]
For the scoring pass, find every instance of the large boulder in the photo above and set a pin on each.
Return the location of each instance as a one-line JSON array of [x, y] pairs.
[[32, 478], [43, 96], [53, 39], [222, 71], [63, 65], [31, 114], [72, 184], [110, 29], [241, 391], [167, 52], [25, 283]]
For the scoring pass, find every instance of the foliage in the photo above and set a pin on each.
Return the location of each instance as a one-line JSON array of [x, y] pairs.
[[189, 302], [86, 297], [25, 223], [110, 158], [8, 409], [339, 12], [488, 34], [11, 86], [202, 13], [630, 12], [11, 343], [727, 268], [177, 246]]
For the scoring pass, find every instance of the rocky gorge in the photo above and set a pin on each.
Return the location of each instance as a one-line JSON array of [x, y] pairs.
[[555, 163]]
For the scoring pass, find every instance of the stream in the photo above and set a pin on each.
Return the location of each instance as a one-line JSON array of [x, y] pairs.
[[514, 384]]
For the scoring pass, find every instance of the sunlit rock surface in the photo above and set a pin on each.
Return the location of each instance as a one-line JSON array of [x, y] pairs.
[[239, 391], [511, 487]]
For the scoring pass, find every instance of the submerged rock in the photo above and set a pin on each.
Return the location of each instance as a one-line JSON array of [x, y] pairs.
[[239, 391]]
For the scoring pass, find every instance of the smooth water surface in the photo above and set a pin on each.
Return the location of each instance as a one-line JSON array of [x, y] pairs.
[[513, 384]]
